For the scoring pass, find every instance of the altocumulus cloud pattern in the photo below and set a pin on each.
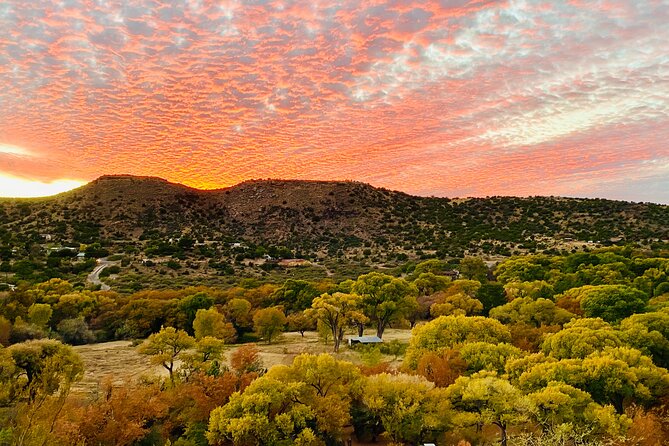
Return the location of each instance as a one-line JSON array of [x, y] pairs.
[[448, 97]]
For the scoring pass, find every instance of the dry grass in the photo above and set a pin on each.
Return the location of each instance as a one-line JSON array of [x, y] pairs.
[[120, 361], [117, 360]]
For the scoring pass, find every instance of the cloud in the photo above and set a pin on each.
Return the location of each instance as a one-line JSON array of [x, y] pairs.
[[432, 97]]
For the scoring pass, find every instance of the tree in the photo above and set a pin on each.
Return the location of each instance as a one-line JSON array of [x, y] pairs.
[[484, 398], [75, 331], [442, 368], [538, 289], [613, 376], [44, 367], [240, 313], [491, 295], [295, 295], [407, 405], [212, 323], [304, 402], [246, 359], [473, 268], [41, 369], [301, 322], [40, 314], [456, 304], [580, 338], [189, 306], [165, 347], [649, 332], [486, 356], [447, 332], [559, 406], [385, 298], [337, 312], [613, 302], [522, 269], [430, 283], [268, 323], [527, 310]]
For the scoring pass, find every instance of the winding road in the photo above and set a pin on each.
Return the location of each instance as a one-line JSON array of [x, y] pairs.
[[94, 276]]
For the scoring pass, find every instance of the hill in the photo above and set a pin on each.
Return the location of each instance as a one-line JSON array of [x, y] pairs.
[[167, 234], [309, 216]]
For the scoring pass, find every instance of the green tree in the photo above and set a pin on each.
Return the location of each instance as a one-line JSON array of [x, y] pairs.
[[473, 268], [269, 322], [613, 302], [612, 376], [649, 332], [523, 269], [44, 367], [295, 295], [75, 331], [385, 299], [491, 295], [337, 312], [538, 289], [165, 347], [189, 305], [40, 314], [430, 283]]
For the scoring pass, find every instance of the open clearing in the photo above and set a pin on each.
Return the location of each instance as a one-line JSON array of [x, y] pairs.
[[120, 361]]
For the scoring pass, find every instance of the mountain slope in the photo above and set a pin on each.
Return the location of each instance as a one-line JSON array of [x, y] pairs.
[[316, 215]]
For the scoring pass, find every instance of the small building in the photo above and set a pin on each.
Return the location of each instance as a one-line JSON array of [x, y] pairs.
[[81, 255], [364, 340]]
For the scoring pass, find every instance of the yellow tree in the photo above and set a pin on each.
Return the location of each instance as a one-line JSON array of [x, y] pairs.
[[165, 347], [337, 312]]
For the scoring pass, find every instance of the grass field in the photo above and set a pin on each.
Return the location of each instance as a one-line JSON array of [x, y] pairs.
[[120, 361]]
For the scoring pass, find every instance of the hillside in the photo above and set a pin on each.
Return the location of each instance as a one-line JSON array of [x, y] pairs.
[[311, 216]]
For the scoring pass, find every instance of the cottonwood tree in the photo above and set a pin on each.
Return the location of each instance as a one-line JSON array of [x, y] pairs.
[[269, 322], [305, 403], [337, 312], [385, 299], [40, 369], [410, 409], [447, 332], [212, 323], [483, 398], [165, 347]]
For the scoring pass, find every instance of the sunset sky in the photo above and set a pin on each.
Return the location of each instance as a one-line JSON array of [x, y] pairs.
[[447, 98]]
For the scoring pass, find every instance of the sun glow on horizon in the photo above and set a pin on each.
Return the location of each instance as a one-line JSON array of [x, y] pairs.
[[14, 187]]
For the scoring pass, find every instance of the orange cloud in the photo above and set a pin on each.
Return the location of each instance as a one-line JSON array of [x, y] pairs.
[[450, 97]]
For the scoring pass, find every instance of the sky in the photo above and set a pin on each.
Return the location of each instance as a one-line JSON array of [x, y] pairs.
[[436, 97]]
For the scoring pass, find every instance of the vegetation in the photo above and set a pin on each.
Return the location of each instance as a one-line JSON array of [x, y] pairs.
[[542, 349]]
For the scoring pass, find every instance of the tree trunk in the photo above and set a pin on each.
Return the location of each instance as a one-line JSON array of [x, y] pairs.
[[380, 329], [361, 329], [502, 428]]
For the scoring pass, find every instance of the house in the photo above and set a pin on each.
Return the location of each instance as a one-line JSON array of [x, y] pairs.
[[364, 340], [238, 245], [81, 255]]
